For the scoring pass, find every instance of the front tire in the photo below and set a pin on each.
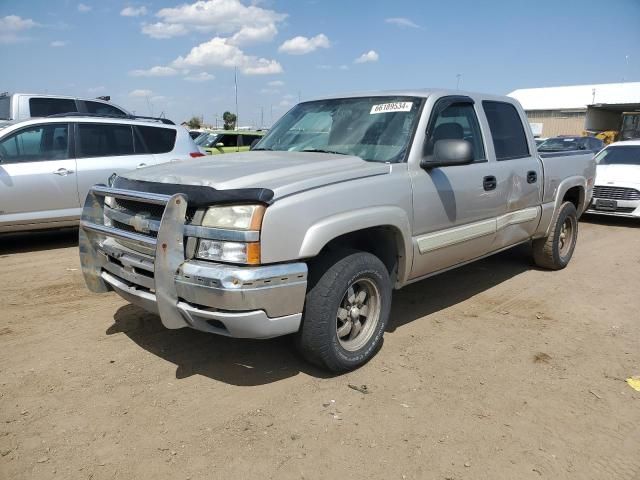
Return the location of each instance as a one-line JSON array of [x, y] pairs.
[[346, 311], [555, 251]]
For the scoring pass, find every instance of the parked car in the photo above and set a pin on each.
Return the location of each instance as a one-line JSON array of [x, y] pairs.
[[569, 144], [617, 186], [342, 201], [226, 141], [21, 106], [47, 165], [540, 141]]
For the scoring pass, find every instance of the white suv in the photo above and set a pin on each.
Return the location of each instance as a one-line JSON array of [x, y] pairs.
[[47, 165]]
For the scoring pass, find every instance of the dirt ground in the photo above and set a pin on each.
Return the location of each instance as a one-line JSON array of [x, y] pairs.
[[496, 370]]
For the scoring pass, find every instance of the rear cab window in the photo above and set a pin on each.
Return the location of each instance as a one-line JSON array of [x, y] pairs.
[[505, 124], [100, 108], [43, 107]]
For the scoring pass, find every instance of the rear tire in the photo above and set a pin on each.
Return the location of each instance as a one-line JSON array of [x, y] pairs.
[[555, 251], [346, 311]]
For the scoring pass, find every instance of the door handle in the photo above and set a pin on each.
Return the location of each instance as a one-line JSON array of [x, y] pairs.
[[532, 177], [489, 182], [63, 172], [141, 165]]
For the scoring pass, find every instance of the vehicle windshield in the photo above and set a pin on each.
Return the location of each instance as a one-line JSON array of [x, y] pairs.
[[5, 104], [562, 144], [207, 140], [627, 155], [376, 129]]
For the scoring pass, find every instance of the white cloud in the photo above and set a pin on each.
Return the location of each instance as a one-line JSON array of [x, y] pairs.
[[344, 67], [97, 89], [246, 23], [164, 30], [157, 71], [370, 56], [275, 83], [219, 52], [303, 45], [253, 35], [133, 11], [200, 77], [82, 8], [59, 43], [401, 22], [139, 93], [12, 25]]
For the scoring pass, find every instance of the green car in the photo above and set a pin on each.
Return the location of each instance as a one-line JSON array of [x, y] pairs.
[[226, 141]]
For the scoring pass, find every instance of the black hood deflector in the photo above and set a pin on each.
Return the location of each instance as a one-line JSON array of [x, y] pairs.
[[198, 195]]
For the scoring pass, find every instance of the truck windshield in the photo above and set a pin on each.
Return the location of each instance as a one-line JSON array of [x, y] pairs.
[[376, 129], [5, 103], [628, 155]]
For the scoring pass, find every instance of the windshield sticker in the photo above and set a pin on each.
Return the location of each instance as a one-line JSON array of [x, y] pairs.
[[391, 107], [569, 139]]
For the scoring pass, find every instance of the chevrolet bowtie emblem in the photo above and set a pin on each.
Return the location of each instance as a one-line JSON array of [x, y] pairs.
[[140, 223]]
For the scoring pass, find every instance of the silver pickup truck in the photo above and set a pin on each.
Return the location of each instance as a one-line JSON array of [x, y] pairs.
[[344, 200]]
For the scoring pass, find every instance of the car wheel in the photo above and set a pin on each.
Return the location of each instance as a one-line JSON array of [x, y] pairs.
[[346, 311]]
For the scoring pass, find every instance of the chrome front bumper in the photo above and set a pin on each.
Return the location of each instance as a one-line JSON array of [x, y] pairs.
[[250, 302]]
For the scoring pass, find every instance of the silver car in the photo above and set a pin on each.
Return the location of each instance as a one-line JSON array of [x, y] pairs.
[[47, 165]]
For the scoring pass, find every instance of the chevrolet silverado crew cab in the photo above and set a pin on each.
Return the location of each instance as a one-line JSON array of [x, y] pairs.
[[344, 200]]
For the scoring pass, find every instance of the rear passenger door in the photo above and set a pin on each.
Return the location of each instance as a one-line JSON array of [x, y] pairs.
[[37, 175], [518, 167], [103, 149]]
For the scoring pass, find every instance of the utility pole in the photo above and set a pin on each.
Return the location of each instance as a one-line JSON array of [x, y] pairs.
[[458, 80], [235, 75]]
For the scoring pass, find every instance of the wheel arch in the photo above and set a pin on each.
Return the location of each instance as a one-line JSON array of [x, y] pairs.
[[382, 231]]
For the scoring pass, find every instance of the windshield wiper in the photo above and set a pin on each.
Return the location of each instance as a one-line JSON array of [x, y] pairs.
[[319, 150], [261, 148]]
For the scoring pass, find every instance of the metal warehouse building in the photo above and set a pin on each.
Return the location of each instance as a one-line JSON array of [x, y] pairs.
[[573, 109]]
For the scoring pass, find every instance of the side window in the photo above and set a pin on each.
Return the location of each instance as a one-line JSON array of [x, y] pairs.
[[247, 140], [457, 121], [157, 139], [228, 140], [43, 107], [103, 109], [509, 139], [105, 140], [37, 143]]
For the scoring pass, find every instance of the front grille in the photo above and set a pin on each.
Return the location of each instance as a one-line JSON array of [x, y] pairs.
[[129, 228], [154, 211], [625, 209], [616, 193]]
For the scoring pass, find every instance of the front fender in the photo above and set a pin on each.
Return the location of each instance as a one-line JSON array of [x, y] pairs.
[[329, 228]]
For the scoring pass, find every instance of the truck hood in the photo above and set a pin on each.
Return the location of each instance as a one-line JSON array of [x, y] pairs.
[[284, 173], [612, 174]]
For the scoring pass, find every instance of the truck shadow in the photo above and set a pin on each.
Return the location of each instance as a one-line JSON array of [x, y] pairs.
[[257, 362], [240, 362], [24, 242], [450, 288]]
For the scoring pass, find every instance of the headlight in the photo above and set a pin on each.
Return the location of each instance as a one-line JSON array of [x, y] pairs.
[[236, 217], [231, 252]]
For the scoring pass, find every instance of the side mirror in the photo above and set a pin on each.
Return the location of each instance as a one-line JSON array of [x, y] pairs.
[[449, 153], [219, 144], [254, 143]]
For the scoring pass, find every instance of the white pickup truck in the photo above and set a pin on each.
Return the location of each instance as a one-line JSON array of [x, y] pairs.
[[345, 199]]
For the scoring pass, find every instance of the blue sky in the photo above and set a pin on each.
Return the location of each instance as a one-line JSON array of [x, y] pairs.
[[178, 58]]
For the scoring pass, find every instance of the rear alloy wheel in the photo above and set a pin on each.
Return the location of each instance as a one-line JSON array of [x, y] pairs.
[[346, 311]]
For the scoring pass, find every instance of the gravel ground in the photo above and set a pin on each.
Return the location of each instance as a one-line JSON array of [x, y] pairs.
[[496, 370]]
